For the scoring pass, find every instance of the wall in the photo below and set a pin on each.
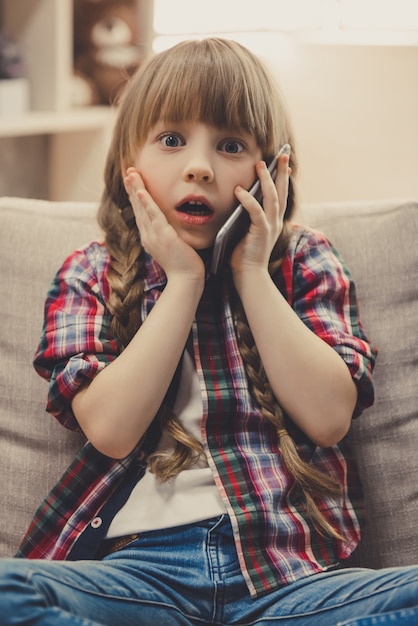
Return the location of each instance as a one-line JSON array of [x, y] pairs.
[[355, 113], [23, 166]]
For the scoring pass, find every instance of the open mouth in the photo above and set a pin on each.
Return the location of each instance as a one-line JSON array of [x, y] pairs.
[[194, 208]]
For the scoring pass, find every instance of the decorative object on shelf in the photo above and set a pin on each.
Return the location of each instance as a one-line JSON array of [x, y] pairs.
[[106, 49], [14, 87]]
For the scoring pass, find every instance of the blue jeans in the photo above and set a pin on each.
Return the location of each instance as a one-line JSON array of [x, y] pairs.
[[188, 576]]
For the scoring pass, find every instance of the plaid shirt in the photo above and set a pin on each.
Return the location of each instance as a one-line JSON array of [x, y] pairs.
[[276, 541]]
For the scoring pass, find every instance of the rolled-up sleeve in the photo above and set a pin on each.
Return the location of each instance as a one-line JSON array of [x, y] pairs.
[[76, 342], [324, 297]]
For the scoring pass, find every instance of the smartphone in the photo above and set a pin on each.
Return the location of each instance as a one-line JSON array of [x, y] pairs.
[[238, 223]]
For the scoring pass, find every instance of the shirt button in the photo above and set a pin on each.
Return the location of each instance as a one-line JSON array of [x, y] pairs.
[[97, 522]]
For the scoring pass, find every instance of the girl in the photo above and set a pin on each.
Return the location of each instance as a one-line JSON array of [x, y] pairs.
[[217, 486]]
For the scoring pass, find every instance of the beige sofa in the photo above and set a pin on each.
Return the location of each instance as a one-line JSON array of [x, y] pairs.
[[378, 240]]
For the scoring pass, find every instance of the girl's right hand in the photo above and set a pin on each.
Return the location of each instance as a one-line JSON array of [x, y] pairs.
[[158, 237]]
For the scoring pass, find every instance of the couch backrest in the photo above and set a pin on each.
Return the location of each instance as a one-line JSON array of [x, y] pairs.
[[379, 243], [35, 237]]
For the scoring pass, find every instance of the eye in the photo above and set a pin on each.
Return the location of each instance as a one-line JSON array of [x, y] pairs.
[[171, 140], [232, 146]]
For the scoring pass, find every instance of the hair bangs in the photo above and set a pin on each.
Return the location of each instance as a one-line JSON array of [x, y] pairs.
[[213, 81], [235, 96]]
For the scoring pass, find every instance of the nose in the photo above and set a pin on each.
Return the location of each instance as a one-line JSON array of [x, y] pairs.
[[198, 170]]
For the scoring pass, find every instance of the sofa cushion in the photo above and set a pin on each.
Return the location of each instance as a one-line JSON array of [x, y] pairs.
[[379, 242], [35, 237]]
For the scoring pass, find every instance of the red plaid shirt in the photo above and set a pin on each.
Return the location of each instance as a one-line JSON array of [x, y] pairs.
[[276, 541]]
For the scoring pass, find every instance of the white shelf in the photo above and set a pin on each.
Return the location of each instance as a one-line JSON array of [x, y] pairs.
[[51, 122], [78, 137]]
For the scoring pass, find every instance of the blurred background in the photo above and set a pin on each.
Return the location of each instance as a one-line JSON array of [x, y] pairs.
[[348, 69]]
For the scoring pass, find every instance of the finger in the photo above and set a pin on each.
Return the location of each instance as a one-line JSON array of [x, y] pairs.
[[133, 181], [141, 201]]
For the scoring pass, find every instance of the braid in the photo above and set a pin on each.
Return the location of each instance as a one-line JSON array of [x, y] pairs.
[[187, 452], [125, 274], [309, 480]]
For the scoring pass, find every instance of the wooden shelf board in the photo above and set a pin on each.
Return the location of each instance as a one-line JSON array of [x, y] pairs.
[[52, 122]]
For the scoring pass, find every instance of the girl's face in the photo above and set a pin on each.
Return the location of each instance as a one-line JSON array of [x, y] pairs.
[[191, 171]]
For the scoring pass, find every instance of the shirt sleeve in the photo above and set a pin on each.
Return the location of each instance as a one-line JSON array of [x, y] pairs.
[[75, 342], [324, 297]]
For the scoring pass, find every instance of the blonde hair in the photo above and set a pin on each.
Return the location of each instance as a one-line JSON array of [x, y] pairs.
[[221, 83]]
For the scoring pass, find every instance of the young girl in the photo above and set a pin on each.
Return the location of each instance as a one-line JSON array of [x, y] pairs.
[[217, 486]]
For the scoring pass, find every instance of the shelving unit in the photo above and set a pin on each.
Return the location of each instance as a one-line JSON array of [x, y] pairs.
[[77, 137]]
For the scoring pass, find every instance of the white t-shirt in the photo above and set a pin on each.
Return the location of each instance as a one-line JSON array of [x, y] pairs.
[[189, 497]]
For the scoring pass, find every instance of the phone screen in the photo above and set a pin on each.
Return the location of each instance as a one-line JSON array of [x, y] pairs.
[[238, 223]]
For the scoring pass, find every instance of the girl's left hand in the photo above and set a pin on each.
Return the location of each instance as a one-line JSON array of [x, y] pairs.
[[254, 250]]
